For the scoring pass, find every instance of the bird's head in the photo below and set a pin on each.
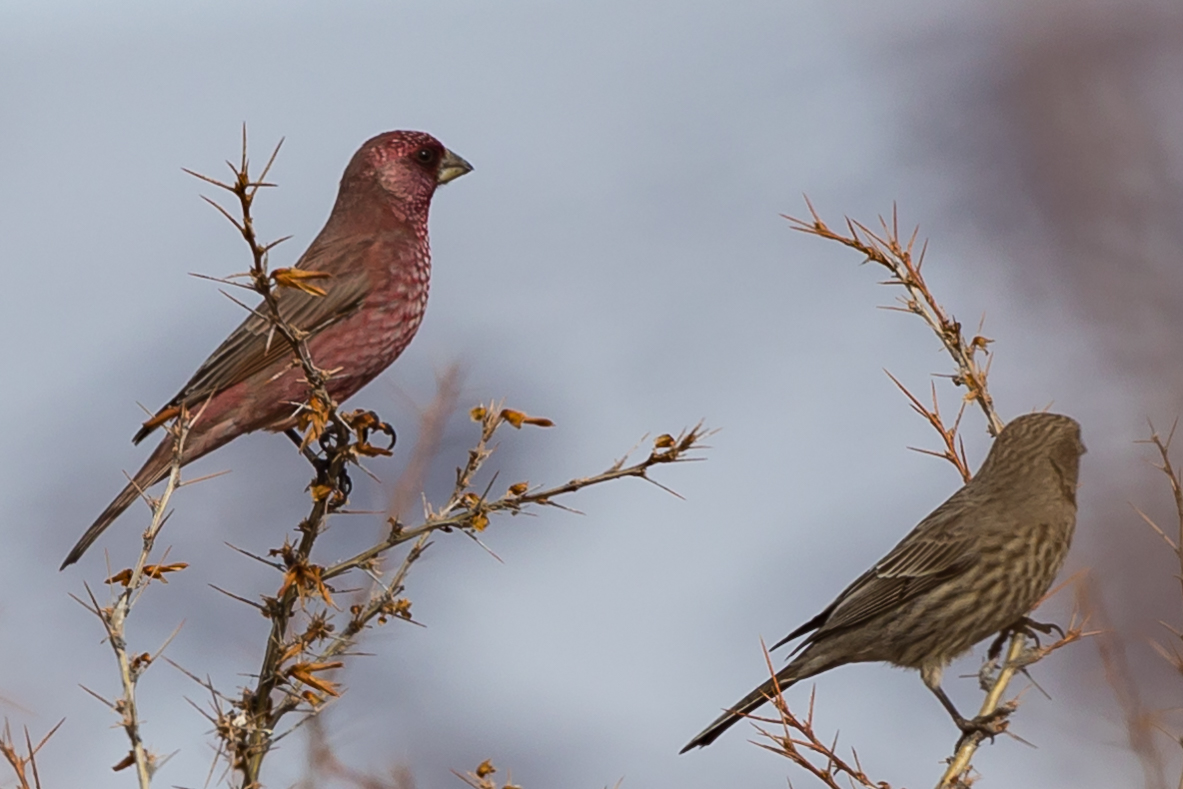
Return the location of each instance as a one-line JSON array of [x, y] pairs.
[[407, 166], [1032, 445]]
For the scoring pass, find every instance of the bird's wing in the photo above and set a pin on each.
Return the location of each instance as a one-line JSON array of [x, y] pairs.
[[938, 549], [915, 566], [253, 347]]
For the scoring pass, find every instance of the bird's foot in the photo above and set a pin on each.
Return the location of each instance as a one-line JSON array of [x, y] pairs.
[[320, 464], [332, 476], [343, 485], [366, 423], [1025, 626], [1029, 627], [983, 726]]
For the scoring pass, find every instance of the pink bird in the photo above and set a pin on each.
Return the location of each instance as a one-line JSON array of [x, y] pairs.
[[374, 247]]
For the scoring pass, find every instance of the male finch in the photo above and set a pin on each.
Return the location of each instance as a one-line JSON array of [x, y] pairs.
[[975, 566], [374, 249]]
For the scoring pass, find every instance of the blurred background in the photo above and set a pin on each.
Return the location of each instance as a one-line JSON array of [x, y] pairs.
[[616, 262]]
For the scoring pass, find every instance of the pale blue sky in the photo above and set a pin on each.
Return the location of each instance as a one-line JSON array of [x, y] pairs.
[[616, 262]]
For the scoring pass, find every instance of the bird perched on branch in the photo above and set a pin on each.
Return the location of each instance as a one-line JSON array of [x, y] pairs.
[[375, 252], [975, 566]]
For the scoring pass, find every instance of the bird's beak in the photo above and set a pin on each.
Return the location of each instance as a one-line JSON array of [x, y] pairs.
[[451, 168]]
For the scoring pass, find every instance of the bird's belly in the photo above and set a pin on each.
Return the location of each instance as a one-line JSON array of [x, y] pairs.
[[356, 353], [353, 353], [994, 594]]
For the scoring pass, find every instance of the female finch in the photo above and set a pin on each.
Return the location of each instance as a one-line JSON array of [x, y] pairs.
[[977, 565]]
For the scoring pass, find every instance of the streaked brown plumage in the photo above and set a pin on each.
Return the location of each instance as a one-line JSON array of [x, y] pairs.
[[976, 565]]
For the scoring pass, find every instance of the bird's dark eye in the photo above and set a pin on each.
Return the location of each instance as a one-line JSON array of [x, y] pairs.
[[425, 156]]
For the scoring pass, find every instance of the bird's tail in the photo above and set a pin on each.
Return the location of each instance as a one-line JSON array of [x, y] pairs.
[[153, 470], [785, 678]]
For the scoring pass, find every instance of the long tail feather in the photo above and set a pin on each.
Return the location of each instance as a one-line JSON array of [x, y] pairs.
[[154, 470], [738, 710]]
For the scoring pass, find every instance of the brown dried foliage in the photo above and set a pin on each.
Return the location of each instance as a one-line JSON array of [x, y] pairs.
[[482, 777]]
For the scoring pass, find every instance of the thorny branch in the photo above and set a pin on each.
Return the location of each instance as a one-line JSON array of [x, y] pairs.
[[24, 765], [331, 441], [466, 509], [1140, 722], [306, 639], [433, 419], [994, 680], [799, 742], [954, 446], [1172, 654], [481, 777], [1163, 448], [114, 616], [888, 250], [324, 768], [297, 660]]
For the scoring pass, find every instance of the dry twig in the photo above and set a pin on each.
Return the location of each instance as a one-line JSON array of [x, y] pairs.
[[481, 777], [954, 451], [994, 681], [1138, 719], [325, 767], [134, 582], [24, 763], [887, 249], [800, 744]]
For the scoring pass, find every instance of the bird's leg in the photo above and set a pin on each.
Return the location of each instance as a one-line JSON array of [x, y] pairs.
[[320, 464], [336, 446], [995, 650], [989, 725], [344, 483]]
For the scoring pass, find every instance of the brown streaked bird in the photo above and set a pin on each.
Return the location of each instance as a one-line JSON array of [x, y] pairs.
[[374, 247], [975, 566]]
